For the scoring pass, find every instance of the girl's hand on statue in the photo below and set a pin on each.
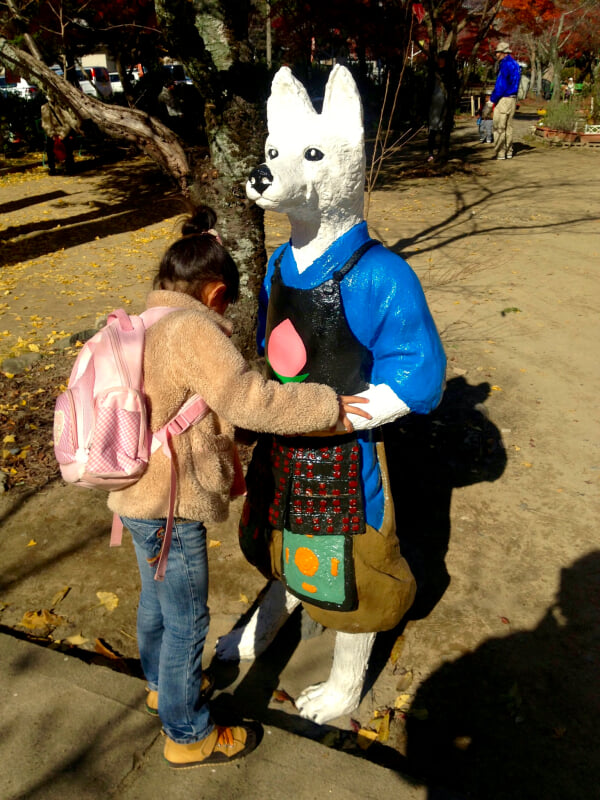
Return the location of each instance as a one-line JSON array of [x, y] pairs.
[[347, 406]]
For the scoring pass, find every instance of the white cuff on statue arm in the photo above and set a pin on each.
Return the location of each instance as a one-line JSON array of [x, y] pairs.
[[384, 406]]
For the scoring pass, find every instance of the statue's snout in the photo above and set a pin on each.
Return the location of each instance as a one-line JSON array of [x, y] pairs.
[[261, 178]]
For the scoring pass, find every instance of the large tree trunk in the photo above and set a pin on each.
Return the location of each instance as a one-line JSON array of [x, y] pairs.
[[211, 40], [443, 30]]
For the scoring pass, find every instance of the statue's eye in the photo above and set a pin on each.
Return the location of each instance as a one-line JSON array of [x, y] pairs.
[[312, 154], [272, 153]]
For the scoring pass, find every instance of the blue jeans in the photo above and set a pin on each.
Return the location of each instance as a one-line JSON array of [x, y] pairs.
[[172, 623]]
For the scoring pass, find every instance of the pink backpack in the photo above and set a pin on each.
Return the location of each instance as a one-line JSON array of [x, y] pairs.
[[102, 438]]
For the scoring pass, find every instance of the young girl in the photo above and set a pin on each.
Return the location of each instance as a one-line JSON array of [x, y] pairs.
[[189, 352]]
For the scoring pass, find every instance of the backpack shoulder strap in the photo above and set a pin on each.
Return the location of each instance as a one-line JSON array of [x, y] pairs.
[[192, 411], [152, 315]]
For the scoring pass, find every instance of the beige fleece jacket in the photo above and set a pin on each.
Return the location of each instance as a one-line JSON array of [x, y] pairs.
[[189, 352]]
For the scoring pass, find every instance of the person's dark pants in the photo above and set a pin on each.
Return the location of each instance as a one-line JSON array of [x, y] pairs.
[[432, 141], [51, 156]]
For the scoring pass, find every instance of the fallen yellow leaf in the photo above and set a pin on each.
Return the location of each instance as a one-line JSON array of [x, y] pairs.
[[402, 702], [244, 598], [76, 640], [365, 738], [104, 649], [383, 727], [31, 543], [107, 599], [214, 543], [397, 649], [40, 619], [60, 595]]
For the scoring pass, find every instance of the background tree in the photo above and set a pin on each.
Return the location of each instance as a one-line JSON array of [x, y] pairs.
[[457, 28], [211, 38], [371, 34], [552, 31]]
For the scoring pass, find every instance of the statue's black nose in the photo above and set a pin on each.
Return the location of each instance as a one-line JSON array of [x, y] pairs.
[[261, 178]]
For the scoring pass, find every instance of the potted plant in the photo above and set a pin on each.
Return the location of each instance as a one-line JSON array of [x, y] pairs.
[[560, 122]]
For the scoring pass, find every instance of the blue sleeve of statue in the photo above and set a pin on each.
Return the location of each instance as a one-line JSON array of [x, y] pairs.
[[387, 311]]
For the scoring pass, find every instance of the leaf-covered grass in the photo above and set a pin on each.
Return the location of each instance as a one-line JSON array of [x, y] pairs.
[[26, 421]]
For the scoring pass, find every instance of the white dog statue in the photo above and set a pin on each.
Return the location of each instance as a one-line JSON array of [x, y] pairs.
[[338, 308]]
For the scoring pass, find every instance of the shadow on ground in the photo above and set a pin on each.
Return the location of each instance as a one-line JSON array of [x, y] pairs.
[[125, 200], [517, 718]]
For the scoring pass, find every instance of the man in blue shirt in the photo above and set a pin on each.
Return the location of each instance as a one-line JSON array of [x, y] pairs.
[[504, 100]]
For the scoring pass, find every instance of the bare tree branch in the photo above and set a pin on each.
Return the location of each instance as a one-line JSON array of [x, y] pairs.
[[124, 123]]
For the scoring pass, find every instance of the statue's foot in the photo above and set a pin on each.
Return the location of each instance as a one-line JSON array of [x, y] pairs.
[[250, 641], [325, 701], [237, 645]]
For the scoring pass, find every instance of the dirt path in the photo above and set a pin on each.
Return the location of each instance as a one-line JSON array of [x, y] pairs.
[[497, 493]]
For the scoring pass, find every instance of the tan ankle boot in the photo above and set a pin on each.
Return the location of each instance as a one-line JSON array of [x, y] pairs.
[[152, 702], [221, 746], [206, 688]]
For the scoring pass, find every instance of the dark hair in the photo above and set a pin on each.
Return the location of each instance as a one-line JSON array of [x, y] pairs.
[[198, 258]]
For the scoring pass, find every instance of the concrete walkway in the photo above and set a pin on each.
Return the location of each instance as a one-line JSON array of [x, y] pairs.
[[76, 731]]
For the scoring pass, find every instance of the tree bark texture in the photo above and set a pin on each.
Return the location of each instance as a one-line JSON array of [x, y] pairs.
[[211, 39]]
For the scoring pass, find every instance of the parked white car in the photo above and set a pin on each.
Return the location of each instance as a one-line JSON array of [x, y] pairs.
[[22, 88], [95, 81], [115, 80]]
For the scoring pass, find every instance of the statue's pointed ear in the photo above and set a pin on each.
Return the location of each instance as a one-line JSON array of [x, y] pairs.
[[342, 104], [288, 100]]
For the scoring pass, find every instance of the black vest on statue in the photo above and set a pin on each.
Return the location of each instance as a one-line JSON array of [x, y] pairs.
[[334, 356]]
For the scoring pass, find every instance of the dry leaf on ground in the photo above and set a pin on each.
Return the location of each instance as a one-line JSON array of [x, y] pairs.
[[365, 738], [34, 620], [281, 696], [108, 599], [104, 649], [404, 681], [397, 649], [76, 640], [60, 596]]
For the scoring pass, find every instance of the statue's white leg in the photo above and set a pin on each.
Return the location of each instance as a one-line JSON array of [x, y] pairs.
[[252, 639], [340, 694]]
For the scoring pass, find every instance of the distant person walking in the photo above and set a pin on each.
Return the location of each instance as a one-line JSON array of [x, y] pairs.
[[59, 125], [438, 106], [504, 100]]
